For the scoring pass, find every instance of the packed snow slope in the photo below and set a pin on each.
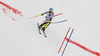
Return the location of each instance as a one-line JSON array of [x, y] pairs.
[[20, 37]]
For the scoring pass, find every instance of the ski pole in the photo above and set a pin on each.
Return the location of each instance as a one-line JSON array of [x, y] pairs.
[[33, 16], [39, 15]]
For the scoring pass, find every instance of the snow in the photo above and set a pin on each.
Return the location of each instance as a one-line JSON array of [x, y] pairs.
[[21, 38]]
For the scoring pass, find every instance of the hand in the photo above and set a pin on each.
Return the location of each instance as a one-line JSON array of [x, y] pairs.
[[41, 14]]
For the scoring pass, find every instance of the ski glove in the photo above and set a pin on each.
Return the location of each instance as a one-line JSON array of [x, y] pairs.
[[41, 14]]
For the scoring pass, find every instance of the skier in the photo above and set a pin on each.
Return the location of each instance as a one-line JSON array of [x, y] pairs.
[[48, 18]]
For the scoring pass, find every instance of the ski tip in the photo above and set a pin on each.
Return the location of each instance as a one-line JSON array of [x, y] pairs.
[[37, 23], [39, 33], [46, 36]]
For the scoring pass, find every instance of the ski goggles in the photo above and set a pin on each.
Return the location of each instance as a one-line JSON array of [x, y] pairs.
[[51, 10]]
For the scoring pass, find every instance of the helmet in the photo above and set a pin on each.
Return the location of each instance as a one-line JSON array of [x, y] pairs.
[[50, 9]]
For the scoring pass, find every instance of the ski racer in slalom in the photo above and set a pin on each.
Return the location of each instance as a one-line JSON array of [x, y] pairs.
[[48, 18]]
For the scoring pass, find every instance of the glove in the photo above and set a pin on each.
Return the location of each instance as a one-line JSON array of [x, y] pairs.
[[41, 14], [44, 21]]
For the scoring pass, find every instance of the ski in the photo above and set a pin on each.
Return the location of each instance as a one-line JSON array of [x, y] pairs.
[[42, 30], [38, 28], [44, 33]]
